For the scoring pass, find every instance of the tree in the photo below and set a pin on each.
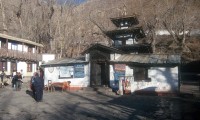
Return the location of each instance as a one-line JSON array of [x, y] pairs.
[[3, 17]]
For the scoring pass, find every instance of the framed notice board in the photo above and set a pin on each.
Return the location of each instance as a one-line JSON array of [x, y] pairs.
[[79, 71]]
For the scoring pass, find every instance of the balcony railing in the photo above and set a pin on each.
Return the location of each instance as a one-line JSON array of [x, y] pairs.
[[19, 55]]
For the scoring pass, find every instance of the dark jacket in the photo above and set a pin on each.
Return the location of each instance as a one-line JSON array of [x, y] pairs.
[[15, 79], [38, 82], [3, 75]]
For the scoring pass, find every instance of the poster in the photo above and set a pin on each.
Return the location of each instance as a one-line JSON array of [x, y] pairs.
[[79, 71], [66, 71]]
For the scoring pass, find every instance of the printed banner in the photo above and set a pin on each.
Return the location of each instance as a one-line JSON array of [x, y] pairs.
[[79, 71]]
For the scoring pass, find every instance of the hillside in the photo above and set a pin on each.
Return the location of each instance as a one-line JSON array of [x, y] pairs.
[[68, 29]]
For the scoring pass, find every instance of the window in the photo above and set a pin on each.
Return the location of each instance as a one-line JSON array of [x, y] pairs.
[[13, 46], [25, 49], [118, 43], [13, 66], [29, 49], [140, 73], [3, 66], [19, 47], [29, 67]]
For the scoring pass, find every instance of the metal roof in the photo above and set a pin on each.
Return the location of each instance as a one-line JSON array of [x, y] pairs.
[[20, 40], [149, 58], [63, 62]]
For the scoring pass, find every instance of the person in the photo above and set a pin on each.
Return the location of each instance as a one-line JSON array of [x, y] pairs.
[[22, 74], [42, 77], [41, 72], [14, 81], [2, 77], [38, 87], [19, 82], [32, 85]]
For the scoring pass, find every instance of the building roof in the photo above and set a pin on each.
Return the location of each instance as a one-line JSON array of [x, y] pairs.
[[104, 48], [20, 40], [135, 30], [149, 59], [131, 19], [139, 48], [63, 62]]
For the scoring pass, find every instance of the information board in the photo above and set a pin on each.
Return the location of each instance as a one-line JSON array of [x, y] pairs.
[[79, 71]]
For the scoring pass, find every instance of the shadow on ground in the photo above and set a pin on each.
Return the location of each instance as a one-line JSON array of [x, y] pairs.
[[129, 107]]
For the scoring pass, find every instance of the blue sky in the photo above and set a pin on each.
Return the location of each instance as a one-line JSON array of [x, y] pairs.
[[76, 1]]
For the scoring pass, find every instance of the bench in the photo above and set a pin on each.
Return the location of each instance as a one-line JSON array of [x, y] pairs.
[[62, 85]]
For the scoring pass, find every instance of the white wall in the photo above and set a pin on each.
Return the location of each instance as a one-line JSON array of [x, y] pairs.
[[87, 57], [111, 72], [129, 41], [8, 68], [75, 82], [163, 79], [34, 67], [48, 57], [21, 66]]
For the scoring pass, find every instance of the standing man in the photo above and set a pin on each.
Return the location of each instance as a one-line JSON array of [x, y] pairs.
[[32, 85], [2, 77], [14, 81], [42, 77], [38, 87]]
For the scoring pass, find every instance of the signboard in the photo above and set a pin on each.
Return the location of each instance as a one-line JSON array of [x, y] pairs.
[[120, 67], [79, 71]]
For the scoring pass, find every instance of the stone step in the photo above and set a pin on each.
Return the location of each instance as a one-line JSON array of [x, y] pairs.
[[100, 90]]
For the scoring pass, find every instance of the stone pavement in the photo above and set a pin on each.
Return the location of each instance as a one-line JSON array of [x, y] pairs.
[[94, 105]]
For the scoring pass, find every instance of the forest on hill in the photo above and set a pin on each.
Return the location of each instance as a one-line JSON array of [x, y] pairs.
[[67, 29]]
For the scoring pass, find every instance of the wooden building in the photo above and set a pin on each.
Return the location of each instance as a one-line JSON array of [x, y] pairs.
[[19, 55]]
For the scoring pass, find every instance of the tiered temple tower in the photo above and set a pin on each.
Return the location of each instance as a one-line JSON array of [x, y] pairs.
[[128, 35]]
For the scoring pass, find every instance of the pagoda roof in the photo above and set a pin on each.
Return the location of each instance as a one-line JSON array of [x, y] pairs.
[[132, 20], [135, 30], [140, 48]]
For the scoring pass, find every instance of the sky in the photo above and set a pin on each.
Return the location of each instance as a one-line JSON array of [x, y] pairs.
[[75, 1]]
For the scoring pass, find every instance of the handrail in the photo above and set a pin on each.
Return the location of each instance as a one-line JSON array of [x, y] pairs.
[[19, 55]]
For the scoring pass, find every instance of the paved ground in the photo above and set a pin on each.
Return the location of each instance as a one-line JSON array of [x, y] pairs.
[[90, 105]]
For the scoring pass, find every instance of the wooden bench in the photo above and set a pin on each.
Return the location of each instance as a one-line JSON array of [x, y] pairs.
[[62, 85]]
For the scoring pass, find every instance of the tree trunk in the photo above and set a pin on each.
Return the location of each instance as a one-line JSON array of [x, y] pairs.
[[3, 17]]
